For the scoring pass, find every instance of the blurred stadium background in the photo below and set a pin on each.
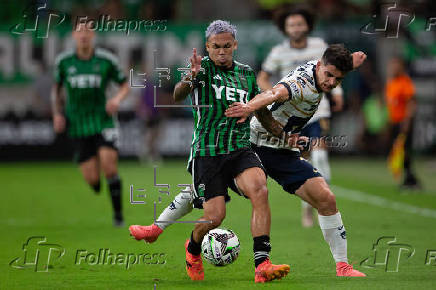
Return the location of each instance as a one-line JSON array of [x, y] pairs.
[[27, 63], [35, 162]]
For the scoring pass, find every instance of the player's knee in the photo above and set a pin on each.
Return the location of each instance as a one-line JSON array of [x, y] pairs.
[[263, 192], [109, 170], [259, 194], [331, 202], [216, 220]]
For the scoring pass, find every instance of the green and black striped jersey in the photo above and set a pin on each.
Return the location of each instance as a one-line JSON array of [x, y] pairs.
[[215, 89], [85, 82]]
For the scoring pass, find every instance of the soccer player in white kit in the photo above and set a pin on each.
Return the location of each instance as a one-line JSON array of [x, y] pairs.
[[297, 49]]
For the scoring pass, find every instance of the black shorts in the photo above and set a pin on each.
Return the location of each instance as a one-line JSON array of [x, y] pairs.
[[87, 147], [285, 166], [312, 130], [212, 175]]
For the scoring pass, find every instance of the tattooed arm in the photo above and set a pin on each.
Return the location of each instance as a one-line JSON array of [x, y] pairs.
[[269, 123], [276, 128]]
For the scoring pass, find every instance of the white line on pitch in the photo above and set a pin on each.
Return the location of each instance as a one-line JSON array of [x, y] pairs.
[[363, 197]]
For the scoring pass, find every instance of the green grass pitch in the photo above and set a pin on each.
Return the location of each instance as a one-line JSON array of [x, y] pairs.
[[52, 200]]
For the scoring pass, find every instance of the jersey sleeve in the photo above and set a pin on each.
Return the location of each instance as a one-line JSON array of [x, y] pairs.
[[271, 63], [58, 72], [296, 87], [116, 72]]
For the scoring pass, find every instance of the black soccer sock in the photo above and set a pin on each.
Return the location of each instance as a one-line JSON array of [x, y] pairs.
[[96, 187], [193, 247], [115, 191], [261, 249]]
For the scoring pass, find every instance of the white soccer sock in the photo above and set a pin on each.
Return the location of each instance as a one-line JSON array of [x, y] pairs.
[[179, 207], [305, 205], [320, 161], [334, 233]]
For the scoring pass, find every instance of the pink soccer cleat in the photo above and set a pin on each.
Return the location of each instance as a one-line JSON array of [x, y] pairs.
[[147, 233], [346, 270], [266, 272], [194, 265]]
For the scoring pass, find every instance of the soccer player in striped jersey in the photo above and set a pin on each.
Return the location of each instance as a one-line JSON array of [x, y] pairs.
[[221, 155], [88, 117], [297, 49]]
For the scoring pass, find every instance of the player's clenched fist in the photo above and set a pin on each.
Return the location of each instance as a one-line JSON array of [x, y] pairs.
[[58, 123]]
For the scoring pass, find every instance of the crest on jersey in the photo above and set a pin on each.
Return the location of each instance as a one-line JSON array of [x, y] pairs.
[[72, 70], [201, 189]]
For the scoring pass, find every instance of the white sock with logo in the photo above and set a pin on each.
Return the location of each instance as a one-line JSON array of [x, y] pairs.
[[179, 207], [334, 234], [320, 161]]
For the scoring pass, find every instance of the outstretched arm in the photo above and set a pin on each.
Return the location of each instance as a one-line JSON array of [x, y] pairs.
[[113, 103], [58, 109], [279, 93]]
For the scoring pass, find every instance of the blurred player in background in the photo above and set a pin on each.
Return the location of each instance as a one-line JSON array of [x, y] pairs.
[[151, 124], [90, 119], [297, 49], [401, 104], [221, 156]]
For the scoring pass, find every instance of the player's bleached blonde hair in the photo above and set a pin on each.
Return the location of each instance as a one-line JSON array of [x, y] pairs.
[[220, 26]]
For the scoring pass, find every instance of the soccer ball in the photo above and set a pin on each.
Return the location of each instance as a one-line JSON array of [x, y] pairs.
[[220, 247]]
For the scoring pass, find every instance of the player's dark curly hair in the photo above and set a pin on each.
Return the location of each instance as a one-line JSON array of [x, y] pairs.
[[339, 56], [281, 15]]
